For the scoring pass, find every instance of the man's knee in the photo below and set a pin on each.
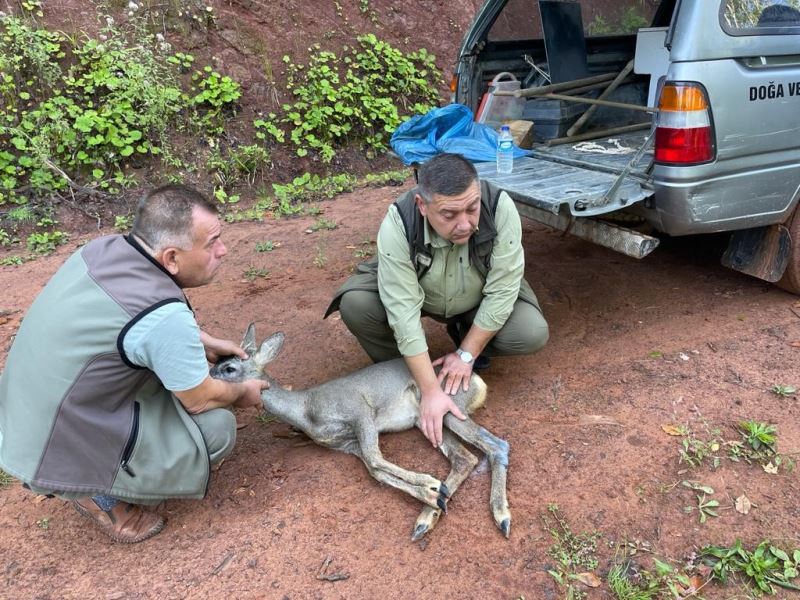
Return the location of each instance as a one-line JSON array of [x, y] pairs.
[[536, 338], [359, 308], [526, 332], [218, 427]]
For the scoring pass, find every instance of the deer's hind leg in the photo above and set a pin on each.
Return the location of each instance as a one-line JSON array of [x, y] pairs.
[[423, 487], [496, 450], [462, 463]]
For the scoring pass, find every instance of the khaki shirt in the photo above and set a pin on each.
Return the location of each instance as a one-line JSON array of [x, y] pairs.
[[451, 285]]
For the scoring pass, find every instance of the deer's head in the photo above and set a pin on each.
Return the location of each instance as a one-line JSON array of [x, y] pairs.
[[234, 369]]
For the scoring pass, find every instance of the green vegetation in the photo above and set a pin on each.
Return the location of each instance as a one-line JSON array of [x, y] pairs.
[[360, 97], [576, 555], [764, 568], [365, 249], [320, 258], [757, 444], [45, 242], [252, 273], [12, 260], [123, 223], [666, 581], [623, 588], [264, 418], [80, 116], [630, 20], [5, 479], [265, 246], [288, 199], [783, 390], [309, 187], [323, 224]]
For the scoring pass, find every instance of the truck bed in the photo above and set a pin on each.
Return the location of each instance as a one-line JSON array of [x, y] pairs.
[[565, 186], [570, 177]]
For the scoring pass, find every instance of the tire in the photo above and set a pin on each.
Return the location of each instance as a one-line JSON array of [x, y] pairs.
[[791, 276]]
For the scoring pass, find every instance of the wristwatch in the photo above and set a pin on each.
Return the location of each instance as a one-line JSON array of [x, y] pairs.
[[465, 356]]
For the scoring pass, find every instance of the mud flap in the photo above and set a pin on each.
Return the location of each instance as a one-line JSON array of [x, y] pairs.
[[762, 252]]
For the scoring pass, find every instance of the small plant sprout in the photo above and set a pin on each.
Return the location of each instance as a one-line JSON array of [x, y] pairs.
[[266, 246], [320, 258], [323, 224], [706, 508], [252, 273], [123, 223], [576, 554], [364, 250], [265, 418], [784, 391], [761, 437]]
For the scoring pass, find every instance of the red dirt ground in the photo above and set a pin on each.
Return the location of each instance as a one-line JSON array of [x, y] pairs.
[[584, 419]]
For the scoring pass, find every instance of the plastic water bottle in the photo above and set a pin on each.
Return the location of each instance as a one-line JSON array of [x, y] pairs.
[[505, 151]]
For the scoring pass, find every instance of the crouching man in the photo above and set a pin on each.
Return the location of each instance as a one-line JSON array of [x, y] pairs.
[[449, 249], [106, 399]]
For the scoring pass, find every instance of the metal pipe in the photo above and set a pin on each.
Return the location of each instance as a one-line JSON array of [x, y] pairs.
[[611, 87]]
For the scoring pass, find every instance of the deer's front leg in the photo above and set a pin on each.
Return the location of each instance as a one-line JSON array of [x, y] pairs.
[[421, 486], [462, 462]]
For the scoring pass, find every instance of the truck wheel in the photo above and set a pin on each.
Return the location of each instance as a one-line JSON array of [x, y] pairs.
[[791, 276]]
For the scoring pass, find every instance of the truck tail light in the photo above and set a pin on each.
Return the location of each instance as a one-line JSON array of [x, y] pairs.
[[684, 133]]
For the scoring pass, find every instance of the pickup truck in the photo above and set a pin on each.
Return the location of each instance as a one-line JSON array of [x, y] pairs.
[[676, 116]]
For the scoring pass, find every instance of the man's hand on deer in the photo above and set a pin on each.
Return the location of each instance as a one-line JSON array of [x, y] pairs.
[[252, 395], [455, 373], [433, 406], [216, 348]]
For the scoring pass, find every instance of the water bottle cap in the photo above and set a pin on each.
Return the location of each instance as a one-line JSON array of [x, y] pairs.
[[504, 128]]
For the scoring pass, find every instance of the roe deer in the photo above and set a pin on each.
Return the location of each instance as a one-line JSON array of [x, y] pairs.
[[348, 413]]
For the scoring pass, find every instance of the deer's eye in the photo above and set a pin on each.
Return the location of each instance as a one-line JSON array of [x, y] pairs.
[[229, 369]]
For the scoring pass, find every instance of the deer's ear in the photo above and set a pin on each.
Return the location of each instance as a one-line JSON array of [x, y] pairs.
[[270, 348], [249, 340]]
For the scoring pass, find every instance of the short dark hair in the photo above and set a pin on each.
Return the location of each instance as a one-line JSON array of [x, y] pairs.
[[445, 175], [164, 216]]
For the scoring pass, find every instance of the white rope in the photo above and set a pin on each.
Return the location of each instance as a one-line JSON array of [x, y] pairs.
[[596, 148]]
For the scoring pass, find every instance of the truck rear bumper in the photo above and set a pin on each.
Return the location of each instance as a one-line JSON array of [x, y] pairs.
[[739, 201]]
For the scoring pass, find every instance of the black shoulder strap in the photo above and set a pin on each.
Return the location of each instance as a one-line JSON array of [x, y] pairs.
[[414, 224], [480, 245]]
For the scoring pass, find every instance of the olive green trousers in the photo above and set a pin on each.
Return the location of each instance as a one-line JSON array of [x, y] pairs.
[[524, 332]]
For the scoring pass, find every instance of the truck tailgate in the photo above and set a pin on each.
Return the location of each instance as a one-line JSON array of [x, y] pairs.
[[567, 178], [564, 186]]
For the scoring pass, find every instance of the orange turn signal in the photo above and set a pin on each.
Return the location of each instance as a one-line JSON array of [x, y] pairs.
[[676, 97]]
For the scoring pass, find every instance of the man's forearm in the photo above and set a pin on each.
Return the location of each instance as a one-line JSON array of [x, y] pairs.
[[476, 340], [422, 371], [210, 394]]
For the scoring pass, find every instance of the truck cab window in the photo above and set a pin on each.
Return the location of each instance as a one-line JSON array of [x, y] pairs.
[[746, 17]]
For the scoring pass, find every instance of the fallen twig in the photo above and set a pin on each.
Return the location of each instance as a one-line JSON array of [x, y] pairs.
[[323, 576]]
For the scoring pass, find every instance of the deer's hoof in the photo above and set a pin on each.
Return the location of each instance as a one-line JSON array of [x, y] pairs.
[[505, 527], [419, 532], [441, 502], [444, 491]]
